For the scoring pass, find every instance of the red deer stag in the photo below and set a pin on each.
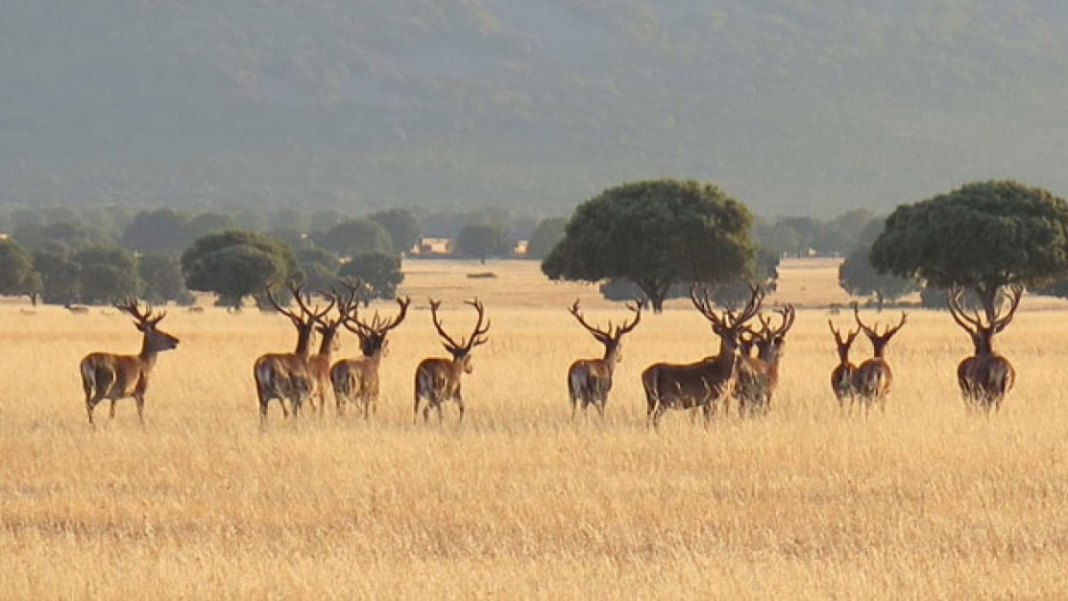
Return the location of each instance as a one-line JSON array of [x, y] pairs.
[[113, 377], [758, 376], [986, 377], [356, 380], [319, 364], [438, 380], [590, 380], [873, 378], [709, 381], [286, 376], [842, 375]]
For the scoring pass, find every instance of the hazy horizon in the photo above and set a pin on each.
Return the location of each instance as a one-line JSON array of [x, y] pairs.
[[532, 106]]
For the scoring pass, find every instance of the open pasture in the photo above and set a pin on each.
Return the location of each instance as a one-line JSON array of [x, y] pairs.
[[923, 501]]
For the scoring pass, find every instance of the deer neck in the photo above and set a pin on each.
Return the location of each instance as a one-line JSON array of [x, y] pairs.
[[611, 357], [303, 343], [147, 354], [326, 345]]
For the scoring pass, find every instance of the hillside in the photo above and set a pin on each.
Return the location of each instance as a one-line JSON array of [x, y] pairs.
[[791, 108]]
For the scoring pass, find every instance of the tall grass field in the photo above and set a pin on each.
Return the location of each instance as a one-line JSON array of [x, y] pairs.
[[520, 501]]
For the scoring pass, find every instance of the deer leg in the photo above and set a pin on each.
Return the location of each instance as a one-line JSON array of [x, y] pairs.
[[111, 409], [140, 398], [90, 404], [460, 402]]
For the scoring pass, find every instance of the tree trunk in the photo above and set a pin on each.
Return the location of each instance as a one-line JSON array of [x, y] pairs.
[[988, 296], [483, 259], [879, 300]]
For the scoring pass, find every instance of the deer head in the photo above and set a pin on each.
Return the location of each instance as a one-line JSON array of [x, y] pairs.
[[147, 322], [373, 334], [843, 342], [982, 334], [461, 351], [727, 324], [611, 338], [771, 341], [878, 341]]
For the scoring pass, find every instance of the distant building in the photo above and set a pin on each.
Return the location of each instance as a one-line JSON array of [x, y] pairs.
[[434, 246]]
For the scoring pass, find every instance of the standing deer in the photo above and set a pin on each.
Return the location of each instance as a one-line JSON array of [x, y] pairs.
[[986, 377], [758, 376], [590, 380], [706, 382], [842, 375], [113, 377], [286, 376], [356, 380], [873, 378], [319, 364], [438, 380]]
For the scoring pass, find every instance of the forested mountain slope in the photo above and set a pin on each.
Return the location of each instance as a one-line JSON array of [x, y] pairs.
[[792, 106]]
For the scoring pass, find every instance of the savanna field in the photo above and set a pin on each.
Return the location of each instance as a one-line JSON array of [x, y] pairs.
[[923, 501]]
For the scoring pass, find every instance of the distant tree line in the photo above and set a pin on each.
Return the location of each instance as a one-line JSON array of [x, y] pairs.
[[103, 254]]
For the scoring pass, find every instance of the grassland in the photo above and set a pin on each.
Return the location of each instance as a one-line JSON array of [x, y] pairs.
[[520, 502]]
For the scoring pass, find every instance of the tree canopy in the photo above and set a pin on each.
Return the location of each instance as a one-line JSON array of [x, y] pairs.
[[17, 275], [237, 264], [354, 237], [404, 229], [983, 236], [380, 272], [482, 240], [656, 233], [857, 277], [545, 236]]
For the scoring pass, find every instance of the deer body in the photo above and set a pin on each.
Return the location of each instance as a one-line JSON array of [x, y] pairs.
[[288, 376], [758, 376], [843, 374], [873, 378], [356, 380], [437, 380], [590, 380], [114, 377], [986, 377], [706, 382]]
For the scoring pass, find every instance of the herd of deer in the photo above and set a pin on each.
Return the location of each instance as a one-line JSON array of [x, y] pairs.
[[746, 368]]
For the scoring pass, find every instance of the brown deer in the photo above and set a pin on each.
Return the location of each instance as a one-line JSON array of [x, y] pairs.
[[758, 376], [590, 380], [356, 380], [986, 377], [286, 376], [873, 378], [113, 377], [705, 383], [842, 375], [438, 380], [320, 363]]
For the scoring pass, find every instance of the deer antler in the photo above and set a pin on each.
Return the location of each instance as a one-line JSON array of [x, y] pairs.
[[636, 308], [601, 335], [1015, 294], [478, 336], [297, 319], [850, 334], [450, 344], [956, 309], [730, 320]]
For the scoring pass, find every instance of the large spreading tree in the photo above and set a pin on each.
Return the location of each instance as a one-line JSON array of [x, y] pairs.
[[237, 264], [857, 276], [983, 236], [656, 234]]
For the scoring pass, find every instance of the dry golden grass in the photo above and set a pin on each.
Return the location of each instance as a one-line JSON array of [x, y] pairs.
[[520, 502]]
